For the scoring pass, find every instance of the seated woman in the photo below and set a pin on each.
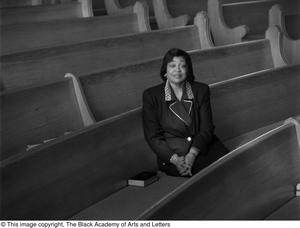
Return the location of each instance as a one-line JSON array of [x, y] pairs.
[[177, 119]]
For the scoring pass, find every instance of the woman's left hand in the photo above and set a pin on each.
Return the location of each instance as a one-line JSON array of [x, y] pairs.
[[190, 157]]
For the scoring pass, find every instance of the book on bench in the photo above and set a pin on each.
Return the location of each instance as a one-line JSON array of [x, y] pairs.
[[143, 179]]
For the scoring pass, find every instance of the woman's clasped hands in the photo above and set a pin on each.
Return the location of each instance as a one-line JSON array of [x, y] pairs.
[[185, 163]]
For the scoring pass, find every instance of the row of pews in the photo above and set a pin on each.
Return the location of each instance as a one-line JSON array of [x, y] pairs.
[[71, 91], [237, 18], [42, 52]]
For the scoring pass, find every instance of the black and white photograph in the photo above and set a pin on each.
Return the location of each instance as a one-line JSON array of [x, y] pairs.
[[149, 113]]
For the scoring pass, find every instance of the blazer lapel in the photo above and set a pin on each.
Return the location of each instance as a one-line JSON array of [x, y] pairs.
[[181, 110]]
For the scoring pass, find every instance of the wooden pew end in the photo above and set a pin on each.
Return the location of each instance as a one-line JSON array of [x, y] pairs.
[[87, 8], [297, 125], [298, 189], [274, 35], [202, 22], [141, 9], [85, 112], [276, 17], [240, 32]]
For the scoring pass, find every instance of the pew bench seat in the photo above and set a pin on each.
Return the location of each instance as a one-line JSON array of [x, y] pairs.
[[135, 200], [289, 211]]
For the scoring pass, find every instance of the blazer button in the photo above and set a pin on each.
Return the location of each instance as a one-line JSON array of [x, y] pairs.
[[189, 139], [164, 163]]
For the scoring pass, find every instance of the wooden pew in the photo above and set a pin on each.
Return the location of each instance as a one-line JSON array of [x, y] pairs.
[[253, 14], [75, 170], [249, 183], [100, 94], [49, 64], [36, 114], [284, 49], [223, 34], [87, 158], [157, 10], [24, 14], [249, 18], [23, 37], [210, 66], [168, 13], [178, 13], [113, 7]]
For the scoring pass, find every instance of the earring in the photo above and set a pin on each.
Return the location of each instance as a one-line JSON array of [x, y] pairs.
[[165, 75]]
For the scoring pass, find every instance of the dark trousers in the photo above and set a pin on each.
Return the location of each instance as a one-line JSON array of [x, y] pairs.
[[216, 150]]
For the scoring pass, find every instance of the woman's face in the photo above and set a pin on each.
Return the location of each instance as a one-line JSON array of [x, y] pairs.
[[176, 70]]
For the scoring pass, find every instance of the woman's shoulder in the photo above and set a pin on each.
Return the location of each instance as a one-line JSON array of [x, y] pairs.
[[154, 90], [199, 86]]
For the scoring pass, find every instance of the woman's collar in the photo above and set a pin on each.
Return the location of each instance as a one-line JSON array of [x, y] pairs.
[[187, 92]]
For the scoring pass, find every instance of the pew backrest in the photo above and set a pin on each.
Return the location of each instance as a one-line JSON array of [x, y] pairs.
[[84, 159], [36, 114], [241, 185], [24, 14], [124, 85], [49, 64], [254, 14], [23, 37], [254, 107]]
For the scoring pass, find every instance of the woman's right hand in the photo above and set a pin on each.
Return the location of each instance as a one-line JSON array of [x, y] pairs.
[[183, 168]]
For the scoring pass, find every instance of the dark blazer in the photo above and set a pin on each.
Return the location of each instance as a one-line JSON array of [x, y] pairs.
[[167, 133]]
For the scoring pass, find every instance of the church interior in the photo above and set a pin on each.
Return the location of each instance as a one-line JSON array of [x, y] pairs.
[[72, 77]]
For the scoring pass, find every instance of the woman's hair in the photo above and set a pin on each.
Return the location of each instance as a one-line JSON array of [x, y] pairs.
[[176, 52]]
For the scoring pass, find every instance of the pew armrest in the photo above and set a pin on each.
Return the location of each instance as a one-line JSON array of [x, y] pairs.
[[202, 23], [274, 35], [276, 17], [87, 8], [85, 112], [141, 9]]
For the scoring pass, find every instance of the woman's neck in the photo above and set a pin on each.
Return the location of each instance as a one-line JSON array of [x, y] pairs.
[[178, 89], [177, 86]]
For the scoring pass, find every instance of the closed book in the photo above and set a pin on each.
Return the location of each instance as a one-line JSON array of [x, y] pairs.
[[143, 179]]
